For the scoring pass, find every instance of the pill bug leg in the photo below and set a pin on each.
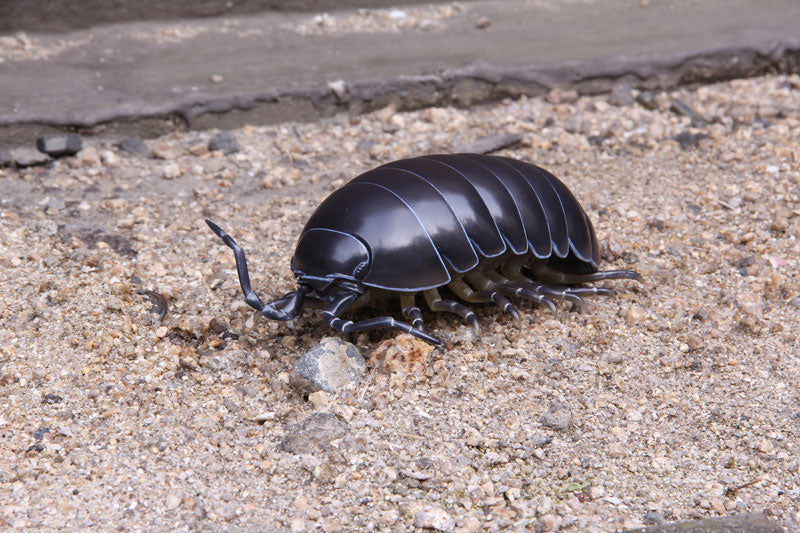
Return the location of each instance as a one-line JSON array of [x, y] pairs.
[[436, 303], [550, 275], [468, 294], [496, 282], [338, 304], [512, 271], [411, 311]]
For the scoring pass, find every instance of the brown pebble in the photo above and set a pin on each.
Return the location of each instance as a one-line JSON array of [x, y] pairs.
[[403, 354], [635, 315]]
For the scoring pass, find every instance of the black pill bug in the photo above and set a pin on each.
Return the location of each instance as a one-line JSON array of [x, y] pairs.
[[489, 228]]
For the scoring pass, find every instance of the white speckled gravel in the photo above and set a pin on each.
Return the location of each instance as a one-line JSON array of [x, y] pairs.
[[682, 392]]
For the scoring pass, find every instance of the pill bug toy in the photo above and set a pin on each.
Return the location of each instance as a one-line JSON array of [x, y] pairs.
[[488, 228]]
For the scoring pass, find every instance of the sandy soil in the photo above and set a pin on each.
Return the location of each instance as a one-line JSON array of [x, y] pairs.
[[671, 400]]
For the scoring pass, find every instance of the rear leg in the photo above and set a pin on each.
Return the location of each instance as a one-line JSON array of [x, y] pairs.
[[436, 303], [508, 288], [513, 271], [551, 275], [466, 293]]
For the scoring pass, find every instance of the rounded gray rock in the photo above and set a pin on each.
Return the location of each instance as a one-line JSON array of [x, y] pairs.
[[332, 365], [134, 145], [28, 157], [60, 145], [225, 142], [621, 95]]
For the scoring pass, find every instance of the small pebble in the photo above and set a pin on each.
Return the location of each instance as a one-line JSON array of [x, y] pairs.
[[562, 96], [470, 525], [635, 315], [491, 144], [173, 500], [596, 492], [613, 357], [339, 88], [647, 100], [653, 517], [688, 140], [225, 142], [401, 355], [312, 433], [51, 398], [29, 157], [764, 445], [621, 95], [680, 107], [134, 145], [172, 171], [558, 417], [434, 518], [60, 145], [89, 156], [264, 417], [319, 399], [109, 158], [483, 23]]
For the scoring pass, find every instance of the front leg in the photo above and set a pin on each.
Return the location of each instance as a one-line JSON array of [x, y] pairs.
[[339, 303]]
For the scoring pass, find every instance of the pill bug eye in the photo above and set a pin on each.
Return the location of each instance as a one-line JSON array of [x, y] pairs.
[[361, 270]]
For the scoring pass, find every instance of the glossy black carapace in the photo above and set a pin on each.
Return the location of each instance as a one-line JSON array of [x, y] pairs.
[[489, 228]]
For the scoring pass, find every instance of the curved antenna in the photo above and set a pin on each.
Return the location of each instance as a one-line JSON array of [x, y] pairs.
[[292, 302]]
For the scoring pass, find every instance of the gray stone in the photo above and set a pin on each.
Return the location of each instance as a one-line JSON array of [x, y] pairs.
[[332, 365], [559, 417], [60, 145], [740, 523], [5, 159], [688, 140], [312, 433], [28, 157], [225, 142], [621, 95], [537, 441], [134, 145], [491, 144], [653, 517]]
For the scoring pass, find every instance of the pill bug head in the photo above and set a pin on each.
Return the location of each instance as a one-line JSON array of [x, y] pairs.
[[325, 258]]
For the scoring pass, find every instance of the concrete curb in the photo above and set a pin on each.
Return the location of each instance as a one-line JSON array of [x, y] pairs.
[[429, 71]]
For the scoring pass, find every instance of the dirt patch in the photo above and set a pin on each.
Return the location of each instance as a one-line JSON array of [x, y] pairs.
[[681, 393]]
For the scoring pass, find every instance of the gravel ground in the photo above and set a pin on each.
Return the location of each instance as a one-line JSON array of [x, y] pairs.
[[671, 400]]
